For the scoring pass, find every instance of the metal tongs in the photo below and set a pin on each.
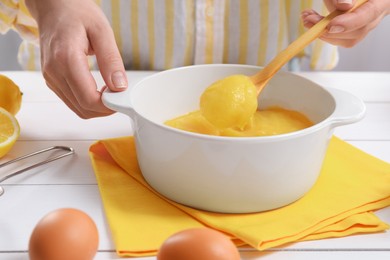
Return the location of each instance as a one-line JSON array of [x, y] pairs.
[[68, 151]]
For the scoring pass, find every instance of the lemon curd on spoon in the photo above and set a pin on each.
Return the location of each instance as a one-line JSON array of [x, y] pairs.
[[229, 102], [228, 107]]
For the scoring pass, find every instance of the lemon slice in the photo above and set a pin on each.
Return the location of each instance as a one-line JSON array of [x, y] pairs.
[[10, 95], [9, 131]]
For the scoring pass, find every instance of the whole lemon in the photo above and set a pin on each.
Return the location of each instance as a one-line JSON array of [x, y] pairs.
[[10, 95]]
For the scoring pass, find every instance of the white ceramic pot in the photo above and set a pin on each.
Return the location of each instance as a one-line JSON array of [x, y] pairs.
[[231, 174]]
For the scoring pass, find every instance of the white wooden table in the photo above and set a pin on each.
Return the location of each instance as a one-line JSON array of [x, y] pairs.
[[45, 121]]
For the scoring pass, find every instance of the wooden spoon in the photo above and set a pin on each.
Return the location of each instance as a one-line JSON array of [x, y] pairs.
[[261, 78]]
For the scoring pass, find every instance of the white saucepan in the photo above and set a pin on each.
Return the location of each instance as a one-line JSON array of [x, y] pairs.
[[231, 174]]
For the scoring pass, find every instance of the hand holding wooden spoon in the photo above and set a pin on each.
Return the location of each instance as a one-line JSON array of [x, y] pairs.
[[231, 102], [261, 78]]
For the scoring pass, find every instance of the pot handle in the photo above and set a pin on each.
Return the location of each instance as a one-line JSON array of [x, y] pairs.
[[118, 102], [349, 108]]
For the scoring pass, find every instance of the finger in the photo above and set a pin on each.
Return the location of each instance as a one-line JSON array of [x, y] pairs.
[[67, 70], [340, 39], [362, 16], [340, 42], [52, 74], [311, 18], [59, 88], [343, 5], [90, 107], [307, 13], [108, 57], [350, 39], [359, 33], [73, 95], [84, 89], [346, 40]]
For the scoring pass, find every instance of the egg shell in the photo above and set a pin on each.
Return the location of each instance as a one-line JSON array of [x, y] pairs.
[[64, 234], [196, 244]]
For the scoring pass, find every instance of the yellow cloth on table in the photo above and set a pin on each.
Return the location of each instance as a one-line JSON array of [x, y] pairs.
[[351, 185]]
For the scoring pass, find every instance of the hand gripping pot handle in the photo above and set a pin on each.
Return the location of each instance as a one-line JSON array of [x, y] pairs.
[[120, 103], [349, 108]]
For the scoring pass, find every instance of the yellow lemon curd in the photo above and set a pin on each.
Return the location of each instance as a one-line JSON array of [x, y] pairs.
[[229, 102], [228, 107]]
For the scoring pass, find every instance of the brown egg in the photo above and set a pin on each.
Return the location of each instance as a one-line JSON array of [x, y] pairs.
[[64, 234], [196, 244]]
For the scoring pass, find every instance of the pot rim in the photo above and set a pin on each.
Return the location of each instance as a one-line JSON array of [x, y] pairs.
[[327, 122]]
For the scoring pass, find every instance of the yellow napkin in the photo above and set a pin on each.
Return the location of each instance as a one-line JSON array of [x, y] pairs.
[[351, 185]]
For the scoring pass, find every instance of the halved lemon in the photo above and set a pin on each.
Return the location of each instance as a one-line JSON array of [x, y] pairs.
[[9, 131], [10, 95]]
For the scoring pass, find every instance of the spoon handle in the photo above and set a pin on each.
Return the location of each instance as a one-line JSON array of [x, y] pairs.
[[261, 78]]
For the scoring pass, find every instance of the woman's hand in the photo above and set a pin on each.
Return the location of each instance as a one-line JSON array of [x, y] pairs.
[[70, 30], [348, 29]]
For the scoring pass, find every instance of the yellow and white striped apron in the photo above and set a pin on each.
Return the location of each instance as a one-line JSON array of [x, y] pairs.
[[162, 34]]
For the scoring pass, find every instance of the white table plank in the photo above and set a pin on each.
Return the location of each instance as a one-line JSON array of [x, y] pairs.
[[54, 121], [371, 87], [23, 206], [34, 88], [46, 121], [294, 255], [75, 169], [249, 256], [379, 149], [374, 126]]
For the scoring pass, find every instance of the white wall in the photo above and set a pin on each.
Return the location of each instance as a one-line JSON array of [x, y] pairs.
[[372, 54], [9, 44]]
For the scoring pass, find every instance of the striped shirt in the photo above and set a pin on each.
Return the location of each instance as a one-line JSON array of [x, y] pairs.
[[162, 34]]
